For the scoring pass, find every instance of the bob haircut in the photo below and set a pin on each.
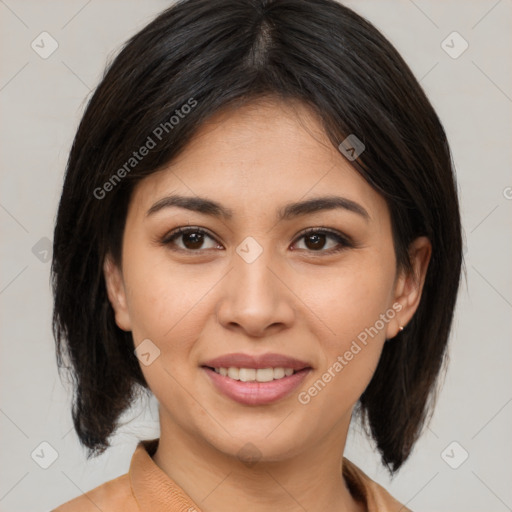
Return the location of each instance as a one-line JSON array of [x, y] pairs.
[[196, 58]]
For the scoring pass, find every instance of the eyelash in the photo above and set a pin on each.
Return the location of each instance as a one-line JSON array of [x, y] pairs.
[[343, 241]]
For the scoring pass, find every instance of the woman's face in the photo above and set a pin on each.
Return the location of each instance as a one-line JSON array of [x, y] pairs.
[[245, 281]]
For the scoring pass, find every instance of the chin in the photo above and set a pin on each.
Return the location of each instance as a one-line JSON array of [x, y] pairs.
[[250, 443]]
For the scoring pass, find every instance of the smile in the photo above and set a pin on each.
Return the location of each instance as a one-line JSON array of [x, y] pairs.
[[250, 386], [253, 374]]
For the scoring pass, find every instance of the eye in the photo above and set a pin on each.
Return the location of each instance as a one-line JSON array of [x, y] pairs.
[[315, 240], [192, 239]]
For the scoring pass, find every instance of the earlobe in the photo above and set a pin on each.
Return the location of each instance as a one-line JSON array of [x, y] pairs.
[[116, 293], [409, 285]]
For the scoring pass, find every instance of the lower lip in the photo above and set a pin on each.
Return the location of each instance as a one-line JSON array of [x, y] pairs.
[[256, 393]]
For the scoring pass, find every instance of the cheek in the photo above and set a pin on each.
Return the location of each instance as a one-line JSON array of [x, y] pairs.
[[166, 307], [353, 301], [166, 303], [354, 309]]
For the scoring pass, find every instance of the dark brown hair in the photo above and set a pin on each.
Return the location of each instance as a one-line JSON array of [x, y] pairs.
[[215, 55]]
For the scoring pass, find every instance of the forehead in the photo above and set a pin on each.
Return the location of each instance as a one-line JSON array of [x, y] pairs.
[[257, 157]]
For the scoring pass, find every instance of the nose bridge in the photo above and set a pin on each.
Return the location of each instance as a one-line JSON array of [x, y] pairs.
[[254, 282]]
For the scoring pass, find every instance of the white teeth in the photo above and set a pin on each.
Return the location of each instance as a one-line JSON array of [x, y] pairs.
[[247, 374], [252, 374], [279, 373], [233, 373], [264, 374]]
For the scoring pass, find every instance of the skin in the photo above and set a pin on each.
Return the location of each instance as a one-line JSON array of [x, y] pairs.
[[294, 299]]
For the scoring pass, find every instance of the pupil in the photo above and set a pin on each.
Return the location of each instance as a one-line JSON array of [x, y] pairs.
[[318, 241], [195, 239]]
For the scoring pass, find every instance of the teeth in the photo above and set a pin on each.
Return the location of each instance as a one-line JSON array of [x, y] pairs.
[[251, 374], [233, 373], [279, 373], [247, 374]]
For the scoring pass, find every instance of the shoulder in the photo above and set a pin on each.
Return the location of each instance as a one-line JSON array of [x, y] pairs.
[[114, 495], [372, 494]]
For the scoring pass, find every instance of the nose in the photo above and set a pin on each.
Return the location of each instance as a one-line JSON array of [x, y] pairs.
[[255, 297]]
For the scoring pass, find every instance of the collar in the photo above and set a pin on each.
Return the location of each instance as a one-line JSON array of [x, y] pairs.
[[154, 491]]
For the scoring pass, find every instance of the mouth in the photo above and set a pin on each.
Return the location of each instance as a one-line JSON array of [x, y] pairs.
[[254, 374], [255, 386]]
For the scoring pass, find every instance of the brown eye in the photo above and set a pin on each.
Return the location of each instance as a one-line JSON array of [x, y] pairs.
[[192, 239], [316, 240]]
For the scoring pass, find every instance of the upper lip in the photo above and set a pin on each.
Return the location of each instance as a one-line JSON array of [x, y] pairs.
[[269, 360]]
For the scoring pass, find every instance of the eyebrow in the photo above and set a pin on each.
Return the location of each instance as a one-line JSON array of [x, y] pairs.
[[289, 211]]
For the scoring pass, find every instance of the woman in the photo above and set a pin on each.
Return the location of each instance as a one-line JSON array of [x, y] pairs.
[[259, 225]]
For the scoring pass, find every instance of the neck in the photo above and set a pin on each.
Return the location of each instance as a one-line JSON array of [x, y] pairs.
[[311, 480]]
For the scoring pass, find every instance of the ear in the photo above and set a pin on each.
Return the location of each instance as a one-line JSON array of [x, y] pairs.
[[116, 293], [409, 285]]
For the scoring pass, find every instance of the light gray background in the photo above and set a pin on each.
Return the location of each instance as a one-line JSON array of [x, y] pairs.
[[41, 103]]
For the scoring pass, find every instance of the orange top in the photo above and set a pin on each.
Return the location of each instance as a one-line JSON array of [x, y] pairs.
[[146, 488]]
